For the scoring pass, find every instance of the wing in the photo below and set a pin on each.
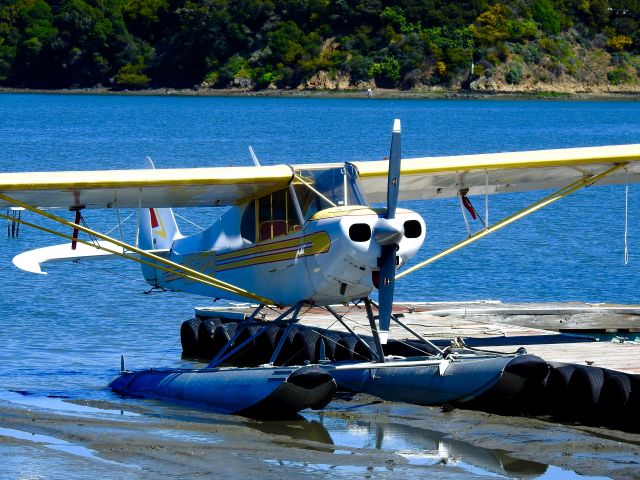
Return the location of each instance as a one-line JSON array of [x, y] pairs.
[[187, 187], [440, 177]]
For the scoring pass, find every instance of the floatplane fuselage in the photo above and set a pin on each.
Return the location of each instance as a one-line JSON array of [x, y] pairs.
[[315, 240]]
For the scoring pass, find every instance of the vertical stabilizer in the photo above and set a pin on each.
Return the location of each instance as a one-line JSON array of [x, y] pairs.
[[157, 231], [158, 228]]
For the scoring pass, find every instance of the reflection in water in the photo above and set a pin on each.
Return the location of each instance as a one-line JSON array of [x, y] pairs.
[[419, 446], [427, 447], [298, 429]]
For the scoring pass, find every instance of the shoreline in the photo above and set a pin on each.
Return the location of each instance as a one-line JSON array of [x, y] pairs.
[[378, 93]]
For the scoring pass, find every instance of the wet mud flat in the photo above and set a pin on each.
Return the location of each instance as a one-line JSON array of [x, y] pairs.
[[360, 437]]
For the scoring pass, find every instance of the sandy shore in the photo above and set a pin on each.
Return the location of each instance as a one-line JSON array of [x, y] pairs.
[[360, 438]]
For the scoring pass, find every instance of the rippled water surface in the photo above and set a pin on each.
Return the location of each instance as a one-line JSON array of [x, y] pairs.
[[76, 321], [63, 333]]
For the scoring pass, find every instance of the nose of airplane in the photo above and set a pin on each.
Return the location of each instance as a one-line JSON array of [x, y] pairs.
[[388, 231]]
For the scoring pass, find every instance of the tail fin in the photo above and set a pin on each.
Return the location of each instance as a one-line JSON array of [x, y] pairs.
[[158, 227], [158, 230]]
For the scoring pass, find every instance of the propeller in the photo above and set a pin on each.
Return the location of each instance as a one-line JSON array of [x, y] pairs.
[[388, 233]]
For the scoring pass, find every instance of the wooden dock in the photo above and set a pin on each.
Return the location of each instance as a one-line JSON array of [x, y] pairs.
[[545, 330]]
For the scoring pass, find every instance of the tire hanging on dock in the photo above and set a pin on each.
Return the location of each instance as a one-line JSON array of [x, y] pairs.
[[305, 346], [287, 352], [352, 348], [556, 389], [249, 355], [189, 337], [584, 391], [220, 337], [265, 344], [330, 339], [614, 398], [206, 333]]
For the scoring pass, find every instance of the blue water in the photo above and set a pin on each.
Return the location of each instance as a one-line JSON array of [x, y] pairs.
[[63, 333], [574, 250]]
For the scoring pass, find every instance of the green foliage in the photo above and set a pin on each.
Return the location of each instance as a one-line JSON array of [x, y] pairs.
[[543, 12], [395, 17], [513, 75], [385, 73], [132, 76], [259, 43], [492, 26], [286, 43], [236, 67], [619, 76], [359, 67], [522, 29]]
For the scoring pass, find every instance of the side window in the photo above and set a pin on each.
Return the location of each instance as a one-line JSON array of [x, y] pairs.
[[276, 215], [248, 223]]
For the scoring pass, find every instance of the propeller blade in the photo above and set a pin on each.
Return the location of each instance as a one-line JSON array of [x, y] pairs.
[[385, 290], [388, 253], [393, 182]]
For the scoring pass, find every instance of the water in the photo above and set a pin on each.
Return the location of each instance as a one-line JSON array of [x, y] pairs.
[[62, 334]]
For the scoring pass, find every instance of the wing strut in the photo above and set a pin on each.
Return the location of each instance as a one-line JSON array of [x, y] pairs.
[[165, 264], [549, 199]]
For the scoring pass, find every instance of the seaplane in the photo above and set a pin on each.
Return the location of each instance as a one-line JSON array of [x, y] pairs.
[[296, 235]]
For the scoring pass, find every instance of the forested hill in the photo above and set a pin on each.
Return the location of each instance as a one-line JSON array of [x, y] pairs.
[[466, 44]]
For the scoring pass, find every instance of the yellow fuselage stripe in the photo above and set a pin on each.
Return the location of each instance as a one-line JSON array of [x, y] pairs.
[[313, 244]]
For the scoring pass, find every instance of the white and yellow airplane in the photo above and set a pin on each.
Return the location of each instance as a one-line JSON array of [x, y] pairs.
[[296, 233]]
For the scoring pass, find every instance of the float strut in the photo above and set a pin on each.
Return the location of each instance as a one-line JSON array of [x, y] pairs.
[[374, 329], [74, 242], [13, 222]]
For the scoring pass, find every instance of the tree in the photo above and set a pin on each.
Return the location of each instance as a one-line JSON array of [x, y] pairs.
[[543, 12]]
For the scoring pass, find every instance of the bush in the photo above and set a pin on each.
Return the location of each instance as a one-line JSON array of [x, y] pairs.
[[522, 29], [532, 54], [236, 67], [210, 79], [514, 74], [545, 14], [618, 43], [359, 68], [386, 73], [492, 26], [618, 76], [131, 76]]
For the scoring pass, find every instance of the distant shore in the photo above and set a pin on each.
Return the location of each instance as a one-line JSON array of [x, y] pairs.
[[378, 93]]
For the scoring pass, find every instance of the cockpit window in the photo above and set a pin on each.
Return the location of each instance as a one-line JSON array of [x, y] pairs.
[[313, 189], [321, 188]]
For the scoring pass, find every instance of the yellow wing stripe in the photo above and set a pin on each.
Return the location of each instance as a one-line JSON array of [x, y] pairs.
[[504, 160], [78, 180]]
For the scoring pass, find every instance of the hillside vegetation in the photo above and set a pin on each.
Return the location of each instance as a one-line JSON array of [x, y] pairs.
[[523, 45]]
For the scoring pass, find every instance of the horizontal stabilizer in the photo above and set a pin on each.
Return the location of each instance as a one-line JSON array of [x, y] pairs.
[[32, 260]]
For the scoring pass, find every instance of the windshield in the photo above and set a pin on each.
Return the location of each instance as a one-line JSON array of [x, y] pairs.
[[321, 188]]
